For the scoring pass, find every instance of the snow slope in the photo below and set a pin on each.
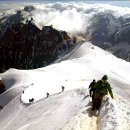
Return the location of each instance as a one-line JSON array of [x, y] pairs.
[[72, 108], [78, 71]]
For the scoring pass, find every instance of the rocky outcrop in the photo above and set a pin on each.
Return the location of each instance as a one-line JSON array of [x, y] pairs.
[[102, 26], [29, 8], [121, 35], [25, 46], [1, 108], [9, 20], [120, 42], [6, 21], [2, 87]]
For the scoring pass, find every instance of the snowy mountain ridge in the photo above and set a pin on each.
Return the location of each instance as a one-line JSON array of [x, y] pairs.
[[70, 109]]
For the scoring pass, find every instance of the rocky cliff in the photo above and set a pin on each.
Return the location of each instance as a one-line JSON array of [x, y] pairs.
[[25, 46]]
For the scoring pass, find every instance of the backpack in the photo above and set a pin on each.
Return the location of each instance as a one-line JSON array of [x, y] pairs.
[[101, 87]]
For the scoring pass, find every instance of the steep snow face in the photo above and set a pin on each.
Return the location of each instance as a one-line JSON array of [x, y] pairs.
[[15, 82], [47, 114], [115, 114]]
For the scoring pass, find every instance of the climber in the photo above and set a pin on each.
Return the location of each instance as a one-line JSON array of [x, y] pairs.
[[31, 100], [32, 20], [92, 88], [47, 94], [26, 21], [102, 87], [62, 87]]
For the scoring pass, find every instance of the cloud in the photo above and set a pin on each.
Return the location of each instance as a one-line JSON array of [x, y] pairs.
[[72, 17]]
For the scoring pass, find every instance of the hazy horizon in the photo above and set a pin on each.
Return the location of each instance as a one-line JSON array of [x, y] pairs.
[[119, 3]]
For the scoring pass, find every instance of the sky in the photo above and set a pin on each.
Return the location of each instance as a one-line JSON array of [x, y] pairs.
[[121, 3]]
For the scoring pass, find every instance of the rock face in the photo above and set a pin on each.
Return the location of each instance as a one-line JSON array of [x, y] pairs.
[[29, 8], [102, 26], [1, 108], [120, 41], [121, 35], [25, 46], [2, 87], [7, 21], [15, 17], [111, 33]]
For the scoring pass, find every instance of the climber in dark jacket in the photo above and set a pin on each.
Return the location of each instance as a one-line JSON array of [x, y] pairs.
[[47, 94], [92, 88], [102, 88], [31, 100], [62, 87]]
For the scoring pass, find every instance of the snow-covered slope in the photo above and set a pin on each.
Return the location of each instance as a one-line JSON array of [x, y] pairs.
[[72, 108], [68, 110], [84, 64], [15, 82]]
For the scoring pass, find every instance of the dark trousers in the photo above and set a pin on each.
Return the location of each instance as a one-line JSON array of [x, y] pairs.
[[97, 99]]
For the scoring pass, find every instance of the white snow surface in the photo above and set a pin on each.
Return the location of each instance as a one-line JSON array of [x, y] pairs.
[[70, 109]]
